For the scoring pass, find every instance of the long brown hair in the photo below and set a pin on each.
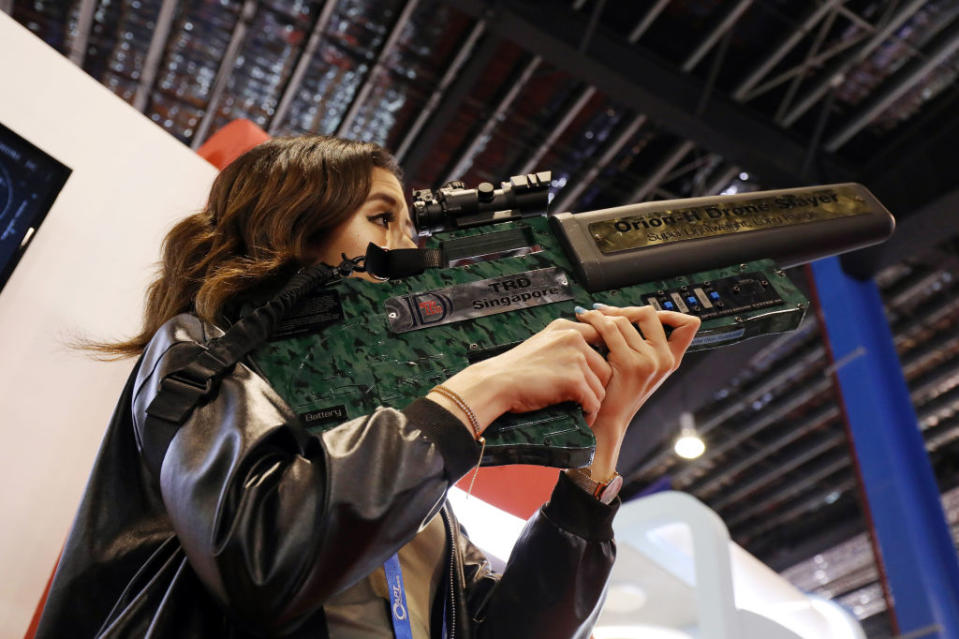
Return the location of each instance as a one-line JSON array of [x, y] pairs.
[[264, 212]]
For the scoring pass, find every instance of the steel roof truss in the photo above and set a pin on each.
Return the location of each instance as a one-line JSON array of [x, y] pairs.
[[437, 94], [302, 65], [767, 65], [826, 79], [569, 195], [664, 94], [223, 73], [78, 48], [158, 45], [479, 141], [377, 69]]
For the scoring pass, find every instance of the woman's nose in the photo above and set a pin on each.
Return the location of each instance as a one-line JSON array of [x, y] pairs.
[[406, 242]]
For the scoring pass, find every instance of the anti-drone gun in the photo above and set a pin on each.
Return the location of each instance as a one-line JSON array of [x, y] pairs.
[[495, 270]]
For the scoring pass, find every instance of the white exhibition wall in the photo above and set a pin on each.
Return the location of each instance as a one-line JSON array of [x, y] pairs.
[[83, 275]]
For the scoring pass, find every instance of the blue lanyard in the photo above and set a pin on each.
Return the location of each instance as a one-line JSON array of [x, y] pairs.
[[400, 613]]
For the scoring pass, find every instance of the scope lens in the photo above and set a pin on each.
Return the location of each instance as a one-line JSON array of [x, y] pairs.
[[429, 218]]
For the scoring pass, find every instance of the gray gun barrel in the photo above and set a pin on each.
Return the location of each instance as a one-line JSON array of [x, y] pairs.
[[612, 248]]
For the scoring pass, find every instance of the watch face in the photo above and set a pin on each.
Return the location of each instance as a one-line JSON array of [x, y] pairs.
[[612, 489]]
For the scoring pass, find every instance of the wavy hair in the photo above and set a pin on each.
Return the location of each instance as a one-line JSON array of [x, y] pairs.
[[265, 210]]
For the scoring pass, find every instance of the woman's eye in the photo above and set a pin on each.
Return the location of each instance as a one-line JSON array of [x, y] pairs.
[[383, 219]]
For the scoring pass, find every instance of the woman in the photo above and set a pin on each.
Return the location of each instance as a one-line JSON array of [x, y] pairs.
[[251, 527]]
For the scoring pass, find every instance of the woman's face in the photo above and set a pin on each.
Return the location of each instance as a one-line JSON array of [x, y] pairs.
[[382, 219]]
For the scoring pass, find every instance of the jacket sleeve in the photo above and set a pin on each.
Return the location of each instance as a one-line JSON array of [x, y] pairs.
[[274, 520], [555, 580]]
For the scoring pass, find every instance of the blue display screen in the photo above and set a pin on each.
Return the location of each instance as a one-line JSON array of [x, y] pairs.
[[30, 181]]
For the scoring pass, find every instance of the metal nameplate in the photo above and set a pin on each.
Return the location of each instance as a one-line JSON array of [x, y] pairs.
[[477, 299], [746, 214]]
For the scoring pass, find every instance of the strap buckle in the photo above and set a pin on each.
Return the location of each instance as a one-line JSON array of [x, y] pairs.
[[180, 383], [184, 389]]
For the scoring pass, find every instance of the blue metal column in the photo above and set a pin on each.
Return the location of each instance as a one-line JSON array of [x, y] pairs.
[[914, 539]]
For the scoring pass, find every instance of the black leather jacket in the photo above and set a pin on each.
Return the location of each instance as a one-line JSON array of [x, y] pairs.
[[253, 523]]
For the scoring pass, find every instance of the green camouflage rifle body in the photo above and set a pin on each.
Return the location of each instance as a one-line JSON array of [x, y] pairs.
[[350, 366]]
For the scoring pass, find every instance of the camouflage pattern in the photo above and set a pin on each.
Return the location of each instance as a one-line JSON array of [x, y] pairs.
[[360, 364]]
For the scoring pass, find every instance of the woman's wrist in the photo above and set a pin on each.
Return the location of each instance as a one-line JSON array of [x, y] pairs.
[[453, 408], [477, 392], [606, 455]]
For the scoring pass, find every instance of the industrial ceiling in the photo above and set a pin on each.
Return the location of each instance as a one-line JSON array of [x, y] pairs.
[[626, 102]]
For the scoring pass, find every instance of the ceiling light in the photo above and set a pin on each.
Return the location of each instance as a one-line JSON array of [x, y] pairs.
[[689, 445]]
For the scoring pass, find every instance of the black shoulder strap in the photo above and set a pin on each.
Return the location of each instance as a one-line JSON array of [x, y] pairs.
[[197, 381]]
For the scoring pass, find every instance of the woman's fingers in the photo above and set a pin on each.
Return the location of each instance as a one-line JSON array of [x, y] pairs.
[[595, 369], [612, 334], [643, 316], [596, 363], [651, 322], [652, 334], [597, 384], [684, 330], [588, 332]]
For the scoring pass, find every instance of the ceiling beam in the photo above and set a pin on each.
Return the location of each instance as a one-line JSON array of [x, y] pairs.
[[568, 196], [224, 71], [725, 25], [648, 86], [914, 176], [825, 27], [826, 78], [161, 33], [931, 224], [809, 478], [730, 473], [481, 138], [721, 180], [941, 49], [78, 48], [667, 164], [450, 102], [378, 67], [302, 65], [763, 68], [557, 130], [781, 556], [800, 69], [812, 503], [700, 166], [436, 95], [771, 415], [647, 20], [694, 389]]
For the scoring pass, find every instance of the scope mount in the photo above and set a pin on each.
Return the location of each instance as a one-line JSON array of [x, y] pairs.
[[453, 206]]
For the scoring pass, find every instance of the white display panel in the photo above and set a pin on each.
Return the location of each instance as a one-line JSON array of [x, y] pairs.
[[83, 276]]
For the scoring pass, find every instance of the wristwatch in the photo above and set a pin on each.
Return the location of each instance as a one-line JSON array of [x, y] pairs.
[[604, 492]]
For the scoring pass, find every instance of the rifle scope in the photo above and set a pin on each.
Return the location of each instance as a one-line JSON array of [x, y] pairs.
[[454, 206]]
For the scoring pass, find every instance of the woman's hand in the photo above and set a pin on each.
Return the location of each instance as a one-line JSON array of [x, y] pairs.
[[640, 363], [553, 366]]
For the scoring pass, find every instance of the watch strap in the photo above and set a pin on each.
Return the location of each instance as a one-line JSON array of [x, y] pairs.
[[605, 492]]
